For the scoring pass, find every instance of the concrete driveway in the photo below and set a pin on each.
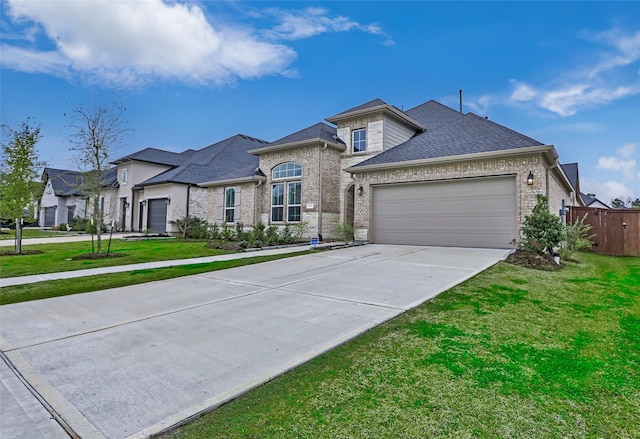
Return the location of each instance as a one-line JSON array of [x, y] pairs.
[[129, 362]]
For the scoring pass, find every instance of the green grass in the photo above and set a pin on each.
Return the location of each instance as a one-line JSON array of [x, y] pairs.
[[44, 290], [30, 233], [56, 257], [511, 353]]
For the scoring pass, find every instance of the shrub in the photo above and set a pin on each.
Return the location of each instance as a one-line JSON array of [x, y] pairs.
[[286, 235], [299, 230], [227, 233], [271, 235], [345, 232], [192, 227], [63, 227], [258, 233], [577, 237], [241, 233], [542, 230]]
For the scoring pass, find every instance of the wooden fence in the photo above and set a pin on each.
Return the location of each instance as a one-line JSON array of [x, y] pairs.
[[617, 232]]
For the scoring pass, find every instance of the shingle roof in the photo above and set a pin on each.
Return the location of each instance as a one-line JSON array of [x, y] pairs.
[[468, 134], [317, 131], [159, 156], [432, 114], [372, 103], [214, 162], [110, 177], [64, 182], [571, 171]]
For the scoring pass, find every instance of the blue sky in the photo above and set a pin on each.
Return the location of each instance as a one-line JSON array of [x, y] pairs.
[[191, 73]]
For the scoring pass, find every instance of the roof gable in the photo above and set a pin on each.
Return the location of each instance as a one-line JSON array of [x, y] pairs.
[[158, 156], [211, 163], [469, 134], [318, 131]]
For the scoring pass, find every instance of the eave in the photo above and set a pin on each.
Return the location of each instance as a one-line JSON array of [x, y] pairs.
[[253, 178], [377, 109], [301, 143], [548, 150]]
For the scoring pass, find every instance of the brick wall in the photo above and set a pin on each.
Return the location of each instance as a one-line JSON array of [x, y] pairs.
[[518, 166]]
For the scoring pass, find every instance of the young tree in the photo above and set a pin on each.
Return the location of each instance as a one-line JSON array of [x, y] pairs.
[[19, 170], [96, 132]]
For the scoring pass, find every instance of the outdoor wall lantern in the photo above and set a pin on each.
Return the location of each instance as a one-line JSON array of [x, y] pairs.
[[530, 178], [126, 204], [167, 200], [360, 190], [144, 202]]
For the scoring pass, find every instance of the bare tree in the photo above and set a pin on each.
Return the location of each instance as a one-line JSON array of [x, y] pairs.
[[18, 173], [96, 132]]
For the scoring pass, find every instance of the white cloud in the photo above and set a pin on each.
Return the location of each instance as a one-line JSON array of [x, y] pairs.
[[615, 164], [607, 191], [312, 21], [132, 42], [626, 150], [605, 79]]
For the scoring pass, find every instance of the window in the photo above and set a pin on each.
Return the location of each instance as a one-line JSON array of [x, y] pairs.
[[286, 196], [277, 202], [124, 177], [360, 140], [287, 170], [49, 189], [293, 201], [229, 204]]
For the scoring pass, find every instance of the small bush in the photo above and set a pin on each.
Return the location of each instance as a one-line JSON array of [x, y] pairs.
[[192, 227], [299, 230], [271, 235], [345, 232], [258, 233], [577, 238], [227, 233], [63, 227], [542, 230]]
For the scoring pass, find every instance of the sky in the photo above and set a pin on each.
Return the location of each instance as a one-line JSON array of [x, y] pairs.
[[192, 73]]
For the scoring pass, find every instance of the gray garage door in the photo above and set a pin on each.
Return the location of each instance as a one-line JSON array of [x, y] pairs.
[[157, 216], [49, 216], [479, 212]]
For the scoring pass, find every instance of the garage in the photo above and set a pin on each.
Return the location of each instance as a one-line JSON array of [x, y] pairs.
[[475, 212], [157, 216], [49, 216]]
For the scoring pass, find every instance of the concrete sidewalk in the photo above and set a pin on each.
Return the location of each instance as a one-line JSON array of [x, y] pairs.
[[129, 362], [63, 237], [22, 280]]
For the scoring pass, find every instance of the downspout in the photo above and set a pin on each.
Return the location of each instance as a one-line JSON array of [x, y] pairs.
[[188, 197], [320, 192], [256, 209], [131, 206]]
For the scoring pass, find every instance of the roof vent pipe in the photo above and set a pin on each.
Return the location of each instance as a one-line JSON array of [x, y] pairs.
[[460, 101]]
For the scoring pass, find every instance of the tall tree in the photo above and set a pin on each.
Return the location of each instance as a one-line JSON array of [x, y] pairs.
[[95, 133], [616, 203], [636, 203], [19, 171]]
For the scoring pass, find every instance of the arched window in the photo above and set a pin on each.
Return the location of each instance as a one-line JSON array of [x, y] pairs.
[[287, 170], [286, 196]]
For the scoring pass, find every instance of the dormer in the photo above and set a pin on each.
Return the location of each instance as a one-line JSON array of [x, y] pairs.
[[374, 127]]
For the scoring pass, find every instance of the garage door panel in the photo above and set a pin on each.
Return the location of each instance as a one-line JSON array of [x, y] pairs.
[[157, 216], [473, 212]]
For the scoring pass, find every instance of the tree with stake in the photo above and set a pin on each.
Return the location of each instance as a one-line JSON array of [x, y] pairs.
[[19, 171], [96, 132]]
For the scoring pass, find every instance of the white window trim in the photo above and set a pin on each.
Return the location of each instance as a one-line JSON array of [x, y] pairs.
[[231, 208], [353, 141], [124, 176]]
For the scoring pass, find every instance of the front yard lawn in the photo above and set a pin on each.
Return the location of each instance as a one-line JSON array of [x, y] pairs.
[[56, 257], [513, 353]]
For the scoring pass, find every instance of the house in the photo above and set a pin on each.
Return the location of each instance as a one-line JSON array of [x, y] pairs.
[[590, 200], [62, 199], [429, 175]]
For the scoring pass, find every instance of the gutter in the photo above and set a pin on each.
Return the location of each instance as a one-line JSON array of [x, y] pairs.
[[454, 158], [308, 142], [321, 150], [233, 181]]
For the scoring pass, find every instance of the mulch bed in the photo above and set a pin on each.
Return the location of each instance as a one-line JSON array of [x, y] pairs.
[[537, 261]]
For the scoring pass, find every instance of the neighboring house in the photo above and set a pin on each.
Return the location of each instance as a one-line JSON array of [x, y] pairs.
[[61, 199], [590, 201], [429, 175]]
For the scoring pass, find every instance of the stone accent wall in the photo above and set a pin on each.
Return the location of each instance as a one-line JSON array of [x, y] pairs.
[[199, 202], [518, 166]]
